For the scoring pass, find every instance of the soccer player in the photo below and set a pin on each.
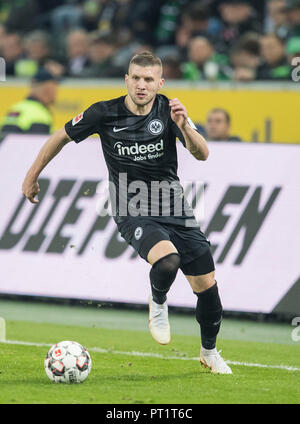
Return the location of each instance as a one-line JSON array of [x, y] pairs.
[[138, 136]]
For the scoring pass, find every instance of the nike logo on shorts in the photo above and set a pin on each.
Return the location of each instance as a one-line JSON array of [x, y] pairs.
[[119, 129]]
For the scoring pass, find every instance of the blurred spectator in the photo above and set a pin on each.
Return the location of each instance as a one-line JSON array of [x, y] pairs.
[[293, 48], [238, 17], [142, 18], [117, 16], [11, 51], [4, 11], [171, 68], [77, 52], [53, 15], [196, 21], [32, 115], [20, 15], [2, 35], [218, 125], [90, 12], [204, 63], [196, 39], [64, 17], [38, 54], [244, 74], [169, 16], [293, 16], [96, 12], [245, 58], [275, 65], [276, 18], [101, 54], [125, 53], [37, 46]]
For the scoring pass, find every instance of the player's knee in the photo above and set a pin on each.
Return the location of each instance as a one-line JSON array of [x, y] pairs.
[[162, 275], [163, 271], [167, 265]]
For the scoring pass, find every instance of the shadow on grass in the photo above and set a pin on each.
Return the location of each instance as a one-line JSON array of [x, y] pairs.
[[103, 379]]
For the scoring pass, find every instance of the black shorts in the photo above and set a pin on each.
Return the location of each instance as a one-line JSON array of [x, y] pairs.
[[142, 233]]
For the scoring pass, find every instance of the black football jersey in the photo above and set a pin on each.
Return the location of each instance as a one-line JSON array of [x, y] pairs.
[[140, 153]]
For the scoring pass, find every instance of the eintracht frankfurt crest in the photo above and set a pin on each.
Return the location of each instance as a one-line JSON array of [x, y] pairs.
[[156, 127], [138, 233]]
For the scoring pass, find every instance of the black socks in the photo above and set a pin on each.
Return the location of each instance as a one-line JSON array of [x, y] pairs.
[[209, 315], [162, 275], [209, 308]]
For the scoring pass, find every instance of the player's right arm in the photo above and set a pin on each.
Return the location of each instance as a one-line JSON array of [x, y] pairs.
[[50, 149], [77, 129]]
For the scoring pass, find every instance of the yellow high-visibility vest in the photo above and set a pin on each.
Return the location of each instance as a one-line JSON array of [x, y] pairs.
[[28, 116]]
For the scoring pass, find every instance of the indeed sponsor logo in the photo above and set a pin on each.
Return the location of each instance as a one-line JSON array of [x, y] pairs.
[[152, 150]]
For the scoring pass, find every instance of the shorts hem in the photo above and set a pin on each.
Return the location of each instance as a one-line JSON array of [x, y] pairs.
[[150, 241]]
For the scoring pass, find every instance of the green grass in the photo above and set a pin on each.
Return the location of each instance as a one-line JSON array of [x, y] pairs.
[[128, 379]]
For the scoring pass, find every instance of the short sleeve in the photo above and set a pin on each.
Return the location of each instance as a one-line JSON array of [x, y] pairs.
[[86, 123], [176, 131]]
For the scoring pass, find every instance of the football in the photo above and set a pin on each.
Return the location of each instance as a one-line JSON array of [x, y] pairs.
[[67, 362]]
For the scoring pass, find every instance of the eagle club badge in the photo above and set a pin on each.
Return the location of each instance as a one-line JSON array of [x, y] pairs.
[[77, 119], [155, 127]]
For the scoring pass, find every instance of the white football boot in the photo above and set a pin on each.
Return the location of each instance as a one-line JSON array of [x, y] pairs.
[[213, 360], [158, 322]]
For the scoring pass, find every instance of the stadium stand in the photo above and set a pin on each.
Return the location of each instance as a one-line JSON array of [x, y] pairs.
[[83, 38]]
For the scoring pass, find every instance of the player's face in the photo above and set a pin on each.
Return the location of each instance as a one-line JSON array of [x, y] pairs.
[[217, 127], [143, 83]]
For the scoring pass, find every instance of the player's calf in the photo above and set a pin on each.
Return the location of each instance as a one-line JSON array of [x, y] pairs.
[[209, 315], [162, 275]]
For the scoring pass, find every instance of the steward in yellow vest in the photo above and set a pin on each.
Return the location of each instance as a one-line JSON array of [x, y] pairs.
[[32, 115]]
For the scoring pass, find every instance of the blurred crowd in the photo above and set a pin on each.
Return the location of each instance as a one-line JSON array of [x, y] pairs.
[[215, 40]]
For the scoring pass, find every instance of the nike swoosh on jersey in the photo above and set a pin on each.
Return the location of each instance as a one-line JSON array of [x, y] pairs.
[[119, 129]]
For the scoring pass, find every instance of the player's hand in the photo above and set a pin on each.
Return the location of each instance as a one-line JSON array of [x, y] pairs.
[[178, 113], [30, 189]]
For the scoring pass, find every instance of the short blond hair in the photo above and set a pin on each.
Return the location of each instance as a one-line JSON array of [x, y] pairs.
[[145, 59]]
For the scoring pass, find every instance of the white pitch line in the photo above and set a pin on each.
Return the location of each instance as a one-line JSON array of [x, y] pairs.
[[156, 355]]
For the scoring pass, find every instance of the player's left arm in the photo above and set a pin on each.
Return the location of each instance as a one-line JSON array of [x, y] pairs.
[[194, 141]]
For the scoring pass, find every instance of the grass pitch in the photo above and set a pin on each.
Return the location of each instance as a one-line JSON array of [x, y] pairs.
[[130, 368]]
